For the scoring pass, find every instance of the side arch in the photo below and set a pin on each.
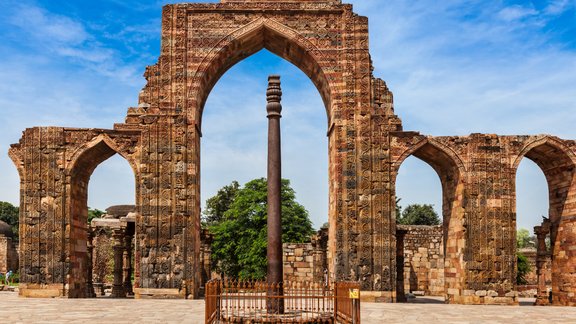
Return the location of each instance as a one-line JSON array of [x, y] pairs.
[[546, 140], [249, 39], [558, 163], [427, 146], [451, 171], [79, 169], [103, 147]]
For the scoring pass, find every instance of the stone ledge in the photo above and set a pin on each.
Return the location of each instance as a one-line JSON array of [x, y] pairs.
[[158, 293], [483, 300], [377, 296], [40, 291]]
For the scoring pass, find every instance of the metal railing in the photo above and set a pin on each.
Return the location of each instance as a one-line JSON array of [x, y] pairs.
[[245, 302]]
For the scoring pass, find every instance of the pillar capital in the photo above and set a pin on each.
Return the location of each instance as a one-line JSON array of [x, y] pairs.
[[273, 96]]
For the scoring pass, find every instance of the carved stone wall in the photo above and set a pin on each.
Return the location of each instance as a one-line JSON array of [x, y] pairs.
[[161, 140]]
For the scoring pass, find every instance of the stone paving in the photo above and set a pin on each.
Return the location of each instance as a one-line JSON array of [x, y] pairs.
[[21, 310]]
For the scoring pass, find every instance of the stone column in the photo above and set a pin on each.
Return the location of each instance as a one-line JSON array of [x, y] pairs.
[[128, 265], [118, 287], [90, 263], [274, 251], [541, 258]]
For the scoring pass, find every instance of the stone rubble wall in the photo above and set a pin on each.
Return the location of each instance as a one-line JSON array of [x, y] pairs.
[[8, 255], [423, 259]]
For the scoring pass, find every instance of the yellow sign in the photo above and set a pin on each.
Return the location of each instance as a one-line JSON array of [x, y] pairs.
[[354, 293]]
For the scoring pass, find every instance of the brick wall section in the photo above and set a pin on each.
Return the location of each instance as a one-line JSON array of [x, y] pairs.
[[423, 259], [8, 255], [298, 261], [307, 261]]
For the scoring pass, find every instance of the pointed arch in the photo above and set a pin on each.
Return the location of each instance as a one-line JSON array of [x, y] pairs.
[[80, 167], [534, 151], [100, 148], [251, 38], [558, 163], [451, 170], [433, 152]]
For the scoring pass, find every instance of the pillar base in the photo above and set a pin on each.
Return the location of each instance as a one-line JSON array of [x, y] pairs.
[[118, 291]]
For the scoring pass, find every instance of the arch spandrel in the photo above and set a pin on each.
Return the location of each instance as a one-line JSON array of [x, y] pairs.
[[247, 40], [530, 150], [107, 146], [427, 148]]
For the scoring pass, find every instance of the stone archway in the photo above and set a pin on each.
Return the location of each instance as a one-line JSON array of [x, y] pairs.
[[329, 43], [451, 170], [82, 164], [558, 163]]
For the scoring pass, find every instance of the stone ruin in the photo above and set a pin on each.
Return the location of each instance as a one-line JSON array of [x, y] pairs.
[[367, 145], [8, 250]]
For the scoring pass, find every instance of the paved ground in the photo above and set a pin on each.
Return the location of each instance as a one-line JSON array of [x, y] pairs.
[[19, 310]]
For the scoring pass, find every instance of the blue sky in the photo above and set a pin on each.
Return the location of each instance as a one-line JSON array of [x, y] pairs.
[[455, 67]]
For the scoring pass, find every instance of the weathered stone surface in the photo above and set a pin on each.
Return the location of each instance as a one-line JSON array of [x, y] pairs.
[[367, 145]]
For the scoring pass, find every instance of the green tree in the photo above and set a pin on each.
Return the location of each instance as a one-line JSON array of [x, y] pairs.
[[94, 213], [523, 267], [219, 204], [9, 214], [417, 214], [240, 237], [523, 239], [398, 208]]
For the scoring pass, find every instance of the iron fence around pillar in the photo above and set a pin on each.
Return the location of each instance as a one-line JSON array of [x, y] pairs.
[[229, 301]]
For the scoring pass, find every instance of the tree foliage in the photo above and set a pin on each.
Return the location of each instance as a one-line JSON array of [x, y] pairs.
[[219, 204], [418, 214], [94, 213], [523, 268], [523, 239], [9, 214], [398, 208], [240, 236]]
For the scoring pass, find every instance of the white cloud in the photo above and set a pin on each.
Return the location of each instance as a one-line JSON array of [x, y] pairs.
[[46, 27], [516, 12], [557, 7]]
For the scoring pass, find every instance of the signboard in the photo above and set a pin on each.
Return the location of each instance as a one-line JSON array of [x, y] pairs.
[[354, 293]]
